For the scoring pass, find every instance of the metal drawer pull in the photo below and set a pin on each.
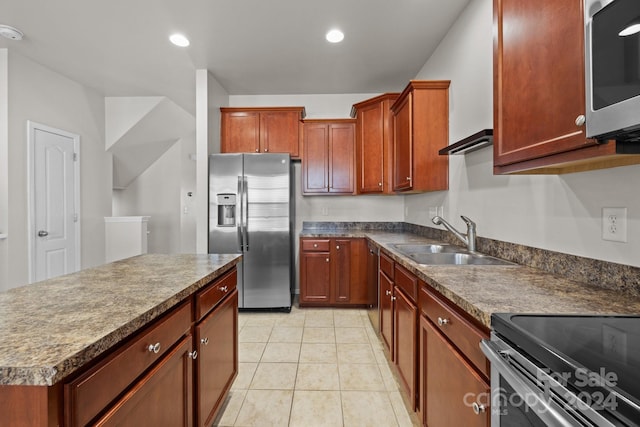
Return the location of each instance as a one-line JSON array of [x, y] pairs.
[[154, 348], [327, 259], [315, 245], [387, 292], [338, 247], [204, 341], [393, 298], [478, 409], [193, 354], [224, 288], [442, 321]]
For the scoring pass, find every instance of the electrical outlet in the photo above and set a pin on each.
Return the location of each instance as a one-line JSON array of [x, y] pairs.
[[614, 343], [614, 224], [325, 211]]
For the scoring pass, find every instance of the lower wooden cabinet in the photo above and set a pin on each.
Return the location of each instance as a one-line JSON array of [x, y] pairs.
[[217, 361], [163, 397], [385, 310], [333, 272], [451, 385], [405, 317]]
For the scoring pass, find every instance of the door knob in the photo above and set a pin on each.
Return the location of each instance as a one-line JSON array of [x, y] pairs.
[[43, 233]]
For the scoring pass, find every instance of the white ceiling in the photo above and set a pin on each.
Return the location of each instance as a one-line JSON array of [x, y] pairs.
[[121, 47]]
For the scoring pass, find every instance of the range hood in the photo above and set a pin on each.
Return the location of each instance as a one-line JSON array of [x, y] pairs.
[[469, 144]]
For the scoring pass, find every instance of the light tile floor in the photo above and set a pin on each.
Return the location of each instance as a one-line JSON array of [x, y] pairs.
[[312, 367]]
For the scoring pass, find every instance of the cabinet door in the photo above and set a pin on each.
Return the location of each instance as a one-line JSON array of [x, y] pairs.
[[539, 87], [240, 132], [315, 277], [362, 290], [217, 362], [403, 145], [279, 132], [342, 270], [405, 337], [315, 163], [162, 397], [385, 311], [451, 391], [341, 157], [370, 139]]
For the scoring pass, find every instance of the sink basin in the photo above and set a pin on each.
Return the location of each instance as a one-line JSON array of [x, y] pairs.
[[424, 248], [457, 258]]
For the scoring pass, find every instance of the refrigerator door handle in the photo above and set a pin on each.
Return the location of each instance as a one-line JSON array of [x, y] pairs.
[[239, 223], [245, 221]]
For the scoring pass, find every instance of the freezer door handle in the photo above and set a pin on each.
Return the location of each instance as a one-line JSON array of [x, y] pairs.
[[239, 223], [245, 221]]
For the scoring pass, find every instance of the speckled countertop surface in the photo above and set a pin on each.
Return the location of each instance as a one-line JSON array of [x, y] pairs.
[[482, 290], [51, 328]]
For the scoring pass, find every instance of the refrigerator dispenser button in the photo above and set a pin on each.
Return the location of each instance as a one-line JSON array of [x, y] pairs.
[[226, 210]]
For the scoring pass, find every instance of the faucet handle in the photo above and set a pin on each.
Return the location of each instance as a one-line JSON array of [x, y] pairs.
[[468, 221]]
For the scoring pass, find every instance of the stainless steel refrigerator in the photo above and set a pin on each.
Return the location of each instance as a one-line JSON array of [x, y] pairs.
[[251, 212]]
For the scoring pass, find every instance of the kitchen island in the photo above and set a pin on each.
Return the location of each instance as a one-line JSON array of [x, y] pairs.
[[58, 334]]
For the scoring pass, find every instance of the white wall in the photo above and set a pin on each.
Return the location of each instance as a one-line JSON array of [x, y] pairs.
[[44, 96], [556, 212], [4, 166]]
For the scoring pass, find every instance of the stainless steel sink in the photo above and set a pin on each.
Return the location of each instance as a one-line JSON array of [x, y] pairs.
[[424, 248], [457, 258]]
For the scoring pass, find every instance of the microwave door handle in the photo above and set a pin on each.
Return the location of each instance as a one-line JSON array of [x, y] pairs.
[[239, 216], [547, 410]]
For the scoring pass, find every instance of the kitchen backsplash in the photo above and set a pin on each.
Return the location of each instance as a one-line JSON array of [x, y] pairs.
[[620, 277]]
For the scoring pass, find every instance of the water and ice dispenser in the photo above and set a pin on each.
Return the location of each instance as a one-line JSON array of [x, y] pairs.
[[226, 209]]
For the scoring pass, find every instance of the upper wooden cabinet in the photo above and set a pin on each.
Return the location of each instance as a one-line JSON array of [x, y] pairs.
[[261, 130], [374, 144], [539, 91], [328, 164], [420, 128]]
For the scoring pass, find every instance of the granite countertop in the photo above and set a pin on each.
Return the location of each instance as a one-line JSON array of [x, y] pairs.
[[51, 328], [481, 290]]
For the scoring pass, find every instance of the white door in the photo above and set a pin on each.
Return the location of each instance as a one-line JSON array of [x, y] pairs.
[[54, 202]]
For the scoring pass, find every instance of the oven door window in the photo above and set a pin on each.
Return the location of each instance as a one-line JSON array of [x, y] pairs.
[[514, 410]]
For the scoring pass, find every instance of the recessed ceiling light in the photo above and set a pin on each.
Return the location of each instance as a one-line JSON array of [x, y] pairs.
[[179, 40], [10, 33], [335, 36]]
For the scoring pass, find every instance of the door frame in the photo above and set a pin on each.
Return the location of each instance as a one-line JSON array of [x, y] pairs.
[[31, 194]]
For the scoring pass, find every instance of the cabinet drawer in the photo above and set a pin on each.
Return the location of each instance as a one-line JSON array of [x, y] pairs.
[[90, 393], [386, 265], [315, 245], [209, 297], [462, 333], [407, 282]]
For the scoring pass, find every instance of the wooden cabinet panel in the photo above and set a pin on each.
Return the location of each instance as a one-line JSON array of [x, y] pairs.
[[342, 270], [387, 265], [420, 130], [535, 110], [217, 361], [261, 130], [240, 132], [87, 395], [385, 311], [451, 391], [212, 295], [405, 338], [407, 282], [374, 144], [163, 397], [315, 277], [328, 159], [341, 157], [313, 245]]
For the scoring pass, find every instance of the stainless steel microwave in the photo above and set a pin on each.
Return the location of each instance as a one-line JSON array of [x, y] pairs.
[[612, 69]]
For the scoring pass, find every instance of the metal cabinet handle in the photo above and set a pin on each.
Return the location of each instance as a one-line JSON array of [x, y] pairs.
[[478, 408], [338, 247], [266, 149], [393, 298], [204, 341], [257, 150], [193, 354], [154, 348], [315, 245], [224, 288], [387, 292], [43, 233], [327, 259], [442, 321], [409, 178], [379, 184], [580, 120]]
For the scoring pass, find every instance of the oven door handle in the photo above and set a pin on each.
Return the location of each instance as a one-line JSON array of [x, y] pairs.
[[547, 410]]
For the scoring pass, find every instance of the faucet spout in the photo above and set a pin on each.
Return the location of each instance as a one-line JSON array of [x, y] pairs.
[[469, 239]]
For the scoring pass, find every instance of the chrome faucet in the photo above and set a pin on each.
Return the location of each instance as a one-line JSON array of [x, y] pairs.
[[469, 240]]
